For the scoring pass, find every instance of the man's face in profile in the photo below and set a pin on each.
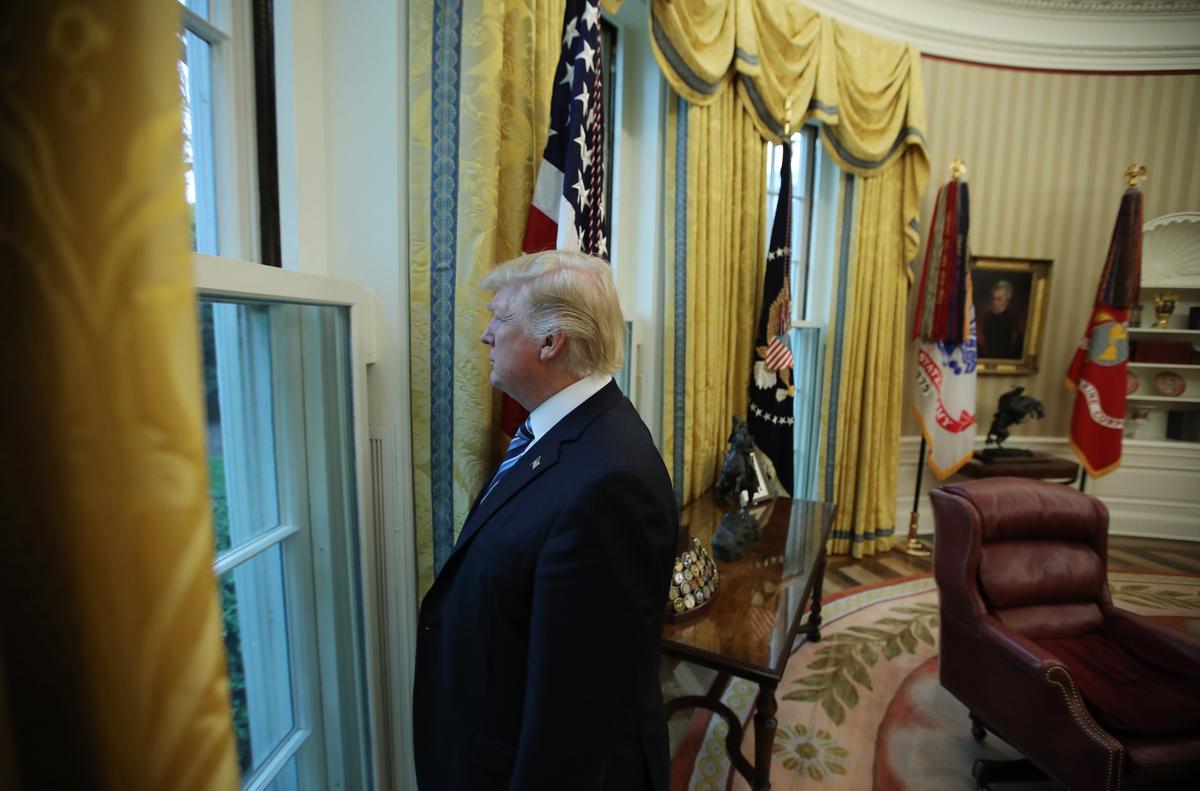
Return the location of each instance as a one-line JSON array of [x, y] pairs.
[[1000, 299]]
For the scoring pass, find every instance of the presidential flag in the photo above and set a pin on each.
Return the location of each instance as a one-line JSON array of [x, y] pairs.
[[945, 324], [567, 212], [771, 389], [1097, 372]]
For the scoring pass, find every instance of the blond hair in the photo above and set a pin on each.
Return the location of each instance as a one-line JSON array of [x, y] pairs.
[[572, 292]]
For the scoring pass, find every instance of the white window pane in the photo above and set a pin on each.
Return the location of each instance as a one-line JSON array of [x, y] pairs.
[[195, 85], [212, 430], [774, 158], [287, 779], [798, 215], [239, 395], [799, 162], [256, 645], [281, 447], [199, 6]]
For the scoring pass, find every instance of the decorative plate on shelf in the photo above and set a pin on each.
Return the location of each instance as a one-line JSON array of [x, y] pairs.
[[1131, 383], [1169, 383]]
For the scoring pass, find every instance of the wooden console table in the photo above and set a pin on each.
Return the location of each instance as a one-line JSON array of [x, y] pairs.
[[754, 621], [1037, 465]]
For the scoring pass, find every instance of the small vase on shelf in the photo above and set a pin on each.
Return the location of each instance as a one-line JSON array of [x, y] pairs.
[[1164, 306]]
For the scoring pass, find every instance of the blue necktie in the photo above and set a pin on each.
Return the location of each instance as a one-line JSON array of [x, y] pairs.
[[516, 447]]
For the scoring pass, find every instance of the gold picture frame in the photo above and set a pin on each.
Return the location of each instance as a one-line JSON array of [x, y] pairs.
[[1010, 296]]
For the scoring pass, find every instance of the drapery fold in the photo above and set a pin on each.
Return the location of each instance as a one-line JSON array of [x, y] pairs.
[[112, 662], [716, 291], [480, 78], [867, 95], [865, 368]]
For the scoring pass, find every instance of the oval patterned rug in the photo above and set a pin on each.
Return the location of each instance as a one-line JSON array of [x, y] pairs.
[[863, 708]]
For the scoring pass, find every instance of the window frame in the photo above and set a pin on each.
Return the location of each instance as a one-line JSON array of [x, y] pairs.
[[375, 594], [812, 290], [805, 142], [229, 30]]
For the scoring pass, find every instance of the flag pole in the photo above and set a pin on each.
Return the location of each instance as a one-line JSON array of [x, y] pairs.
[[1098, 443], [914, 546]]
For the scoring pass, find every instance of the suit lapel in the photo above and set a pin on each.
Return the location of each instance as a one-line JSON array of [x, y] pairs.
[[541, 456]]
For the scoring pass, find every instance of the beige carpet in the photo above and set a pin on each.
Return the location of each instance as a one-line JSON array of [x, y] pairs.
[[863, 708]]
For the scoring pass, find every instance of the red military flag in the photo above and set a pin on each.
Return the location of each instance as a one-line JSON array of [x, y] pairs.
[[567, 210], [1097, 372]]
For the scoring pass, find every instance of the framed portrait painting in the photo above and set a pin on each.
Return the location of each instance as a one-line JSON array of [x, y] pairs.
[[1010, 312]]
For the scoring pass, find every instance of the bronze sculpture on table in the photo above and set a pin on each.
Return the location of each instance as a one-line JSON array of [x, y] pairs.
[[737, 470], [1012, 409], [734, 489]]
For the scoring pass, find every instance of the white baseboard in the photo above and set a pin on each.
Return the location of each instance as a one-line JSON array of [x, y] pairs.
[[1154, 494]]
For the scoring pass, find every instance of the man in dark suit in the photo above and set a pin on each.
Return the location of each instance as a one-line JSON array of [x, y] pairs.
[[538, 645]]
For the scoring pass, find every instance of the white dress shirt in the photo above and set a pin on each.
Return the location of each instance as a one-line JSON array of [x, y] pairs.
[[547, 414]]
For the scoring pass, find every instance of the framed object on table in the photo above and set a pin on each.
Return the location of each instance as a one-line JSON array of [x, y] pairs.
[[760, 492], [1010, 296]]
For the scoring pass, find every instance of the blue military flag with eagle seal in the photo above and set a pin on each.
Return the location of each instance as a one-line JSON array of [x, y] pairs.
[[772, 391]]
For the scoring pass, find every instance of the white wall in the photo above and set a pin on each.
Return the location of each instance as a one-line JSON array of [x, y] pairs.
[[637, 253], [342, 69], [1153, 494], [342, 74]]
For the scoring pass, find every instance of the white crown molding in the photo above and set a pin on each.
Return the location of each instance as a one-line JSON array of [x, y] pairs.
[[1098, 6], [1049, 34]]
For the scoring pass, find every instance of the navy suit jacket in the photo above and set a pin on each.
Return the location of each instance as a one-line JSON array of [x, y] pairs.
[[538, 643]]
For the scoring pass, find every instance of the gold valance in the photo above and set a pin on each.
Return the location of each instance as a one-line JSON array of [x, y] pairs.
[[866, 91]]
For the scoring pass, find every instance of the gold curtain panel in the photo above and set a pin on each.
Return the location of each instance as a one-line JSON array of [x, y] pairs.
[[479, 115], [775, 65], [113, 666], [725, 201], [865, 91]]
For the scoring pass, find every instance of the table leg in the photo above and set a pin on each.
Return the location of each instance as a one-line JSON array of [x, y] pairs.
[[813, 627], [764, 736]]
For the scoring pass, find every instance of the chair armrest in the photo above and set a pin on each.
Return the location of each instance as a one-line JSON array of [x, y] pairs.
[[1017, 648], [1172, 650], [1026, 695]]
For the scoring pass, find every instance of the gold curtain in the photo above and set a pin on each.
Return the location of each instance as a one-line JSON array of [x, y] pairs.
[[480, 78], [113, 663], [789, 64], [865, 363], [726, 210]]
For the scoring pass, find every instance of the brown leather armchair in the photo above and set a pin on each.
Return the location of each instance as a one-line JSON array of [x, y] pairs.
[[1096, 696]]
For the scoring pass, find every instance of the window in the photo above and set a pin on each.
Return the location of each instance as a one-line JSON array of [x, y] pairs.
[[608, 92], [804, 154], [813, 197], [279, 396], [227, 96], [196, 88]]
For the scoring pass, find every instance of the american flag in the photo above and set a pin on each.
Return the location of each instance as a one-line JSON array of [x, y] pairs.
[[779, 356], [567, 212], [771, 389]]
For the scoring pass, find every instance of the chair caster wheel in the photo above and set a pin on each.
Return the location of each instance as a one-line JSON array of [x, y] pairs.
[[977, 729]]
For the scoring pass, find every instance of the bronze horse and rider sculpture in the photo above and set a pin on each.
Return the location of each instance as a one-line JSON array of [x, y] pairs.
[[1013, 408]]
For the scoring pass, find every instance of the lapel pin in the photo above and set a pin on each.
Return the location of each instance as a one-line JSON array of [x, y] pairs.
[[535, 463]]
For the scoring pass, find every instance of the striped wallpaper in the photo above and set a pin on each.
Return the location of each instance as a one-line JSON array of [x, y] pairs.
[[1045, 153]]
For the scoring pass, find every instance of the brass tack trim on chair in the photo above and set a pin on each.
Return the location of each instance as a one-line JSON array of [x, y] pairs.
[[1075, 706]]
